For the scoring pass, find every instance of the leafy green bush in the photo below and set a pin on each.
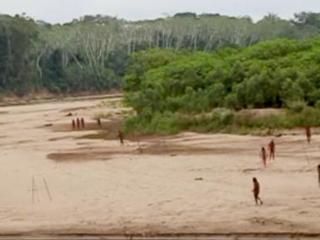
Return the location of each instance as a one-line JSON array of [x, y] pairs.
[[223, 115], [200, 91], [296, 106], [317, 105]]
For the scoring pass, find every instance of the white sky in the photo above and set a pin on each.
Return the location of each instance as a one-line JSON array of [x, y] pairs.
[[55, 11]]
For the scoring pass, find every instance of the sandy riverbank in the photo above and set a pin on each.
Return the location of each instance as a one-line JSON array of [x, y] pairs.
[[53, 180]]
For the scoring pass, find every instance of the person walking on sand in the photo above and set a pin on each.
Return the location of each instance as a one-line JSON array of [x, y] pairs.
[[256, 191], [264, 156], [308, 133], [121, 137], [271, 150]]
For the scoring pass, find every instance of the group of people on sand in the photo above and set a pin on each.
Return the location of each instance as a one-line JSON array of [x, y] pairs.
[[78, 123], [271, 148], [264, 157]]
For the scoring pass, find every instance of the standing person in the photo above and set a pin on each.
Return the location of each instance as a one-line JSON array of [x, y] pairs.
[[121, 137], [264, 156], [319, 174], [256, 191], [308, 133], [272, 150], [99, 122], [82, 123], [78, 123], [73, 124]]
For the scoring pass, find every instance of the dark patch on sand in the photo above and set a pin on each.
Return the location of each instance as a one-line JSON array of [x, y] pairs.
[[90, 153], [272, 221], [248, 170], [25, 141], [72, 156], [58, 138], [169, 148]]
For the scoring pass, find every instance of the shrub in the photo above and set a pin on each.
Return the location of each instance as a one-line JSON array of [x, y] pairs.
[[296, 106], [223, 115], [317, 104]]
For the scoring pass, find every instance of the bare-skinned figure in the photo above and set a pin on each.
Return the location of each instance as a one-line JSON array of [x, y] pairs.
[[78, 123], [264, 156], [272, 148], [99, 122], [121, 137], [73, 124], [319, 174], [82, 123], [256, 191], [308, 133]]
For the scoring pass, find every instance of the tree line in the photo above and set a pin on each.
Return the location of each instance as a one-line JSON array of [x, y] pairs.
[[92, 53], [281, 73]]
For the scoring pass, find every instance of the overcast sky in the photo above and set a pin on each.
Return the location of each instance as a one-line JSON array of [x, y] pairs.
[[55, 11]]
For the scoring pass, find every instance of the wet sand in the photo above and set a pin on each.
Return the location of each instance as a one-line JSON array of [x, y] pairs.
[[55, 180], [164, 237]]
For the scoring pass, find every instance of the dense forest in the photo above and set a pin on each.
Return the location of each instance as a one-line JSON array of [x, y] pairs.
[[171, 89], [269, 74], [93, 53]]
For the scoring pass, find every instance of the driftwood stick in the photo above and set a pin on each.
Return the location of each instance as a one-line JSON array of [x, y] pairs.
[[32, 189], [47, 189]]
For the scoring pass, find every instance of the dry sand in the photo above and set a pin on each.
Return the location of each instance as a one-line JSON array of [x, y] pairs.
[[54, 181]]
